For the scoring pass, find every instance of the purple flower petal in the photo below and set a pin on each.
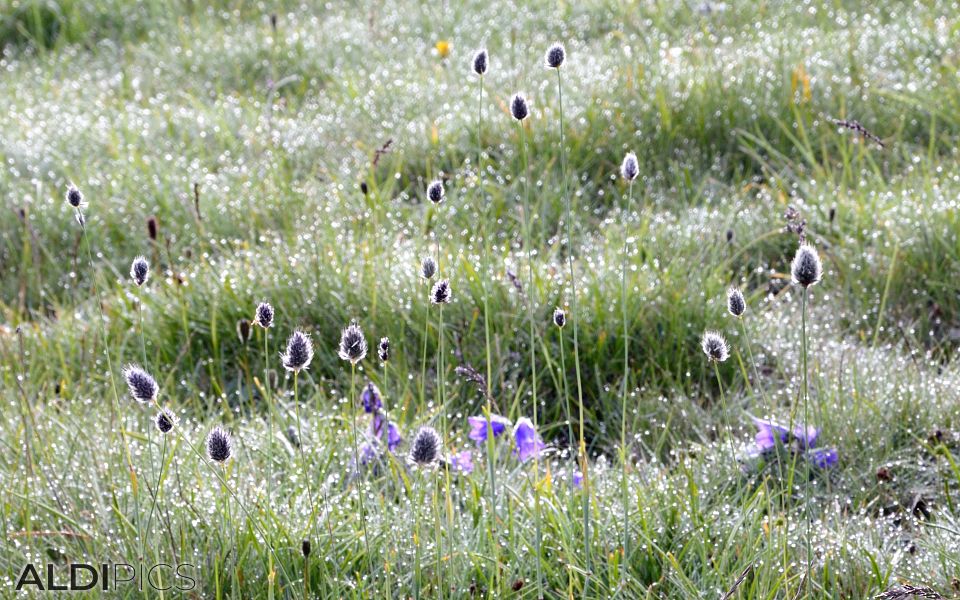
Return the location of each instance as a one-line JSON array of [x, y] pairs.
[[393, 436], [823, 457], [767, 434], [368, 453], [807, 436], [578, 480], [370, 398], [478, 427], [463, 462], [527, 441]]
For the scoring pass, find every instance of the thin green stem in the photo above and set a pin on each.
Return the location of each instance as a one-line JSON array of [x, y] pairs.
[[303, 458], [624, 450], [527, 242], [571, 252], [356, 460], [113, 383], [806, 397]]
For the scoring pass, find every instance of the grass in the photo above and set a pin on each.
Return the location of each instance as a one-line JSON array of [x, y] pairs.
[[247, 143]]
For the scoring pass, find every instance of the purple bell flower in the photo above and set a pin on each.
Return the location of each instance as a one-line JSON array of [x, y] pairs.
[[370, 397], [478, 427], [527, 441], [823, 457], [377, 425], [804, 439]]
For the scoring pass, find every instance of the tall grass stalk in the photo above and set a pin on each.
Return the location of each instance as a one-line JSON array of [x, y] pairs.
[[528, 245], [303, 458], [115, 417], [806, 397], [624, 450], [574, 304], [356, 459], [491, 457]]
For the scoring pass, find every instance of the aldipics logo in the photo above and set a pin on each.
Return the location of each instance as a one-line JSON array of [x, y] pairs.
[[78, 577]]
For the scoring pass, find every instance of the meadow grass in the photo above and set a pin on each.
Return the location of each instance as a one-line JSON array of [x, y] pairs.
[[246, 138]]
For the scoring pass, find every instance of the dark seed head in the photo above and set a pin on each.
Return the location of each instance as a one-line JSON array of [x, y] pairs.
[[165, 420], [75, 197], [806, 268], [363, 188], [143, 387], [428, 268], [152, 228], [305, 548], [559, 317], [139, 270], [729, 236], [519, 108], [630, 167], [714, 346], [353, 345], [435, 191], [480, 62], [219, 445], [425, 449], [735, 302], [299, 352], [555, 56], [441, 294], [263, 316], [244, 330], [383, 349]]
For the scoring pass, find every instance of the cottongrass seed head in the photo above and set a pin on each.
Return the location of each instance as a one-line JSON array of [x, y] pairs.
[[353, 346], [555, 56], [441, 294], [383, 349], [480, 62], [143, 387], [519, 108], [299, 352], [435, 191], [425, 449], [263, 316], [714, 346], [75, 197], [165, 420], [428, 268], [219, 445], [806, 268], [630, 168], [736, 305], [559, 317], [139, 270]]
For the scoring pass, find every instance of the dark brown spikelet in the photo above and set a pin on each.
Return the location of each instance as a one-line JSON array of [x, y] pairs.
[[908, 591], [305, 548], [859, 129], [473, 376], [152, 228], [244, 330]]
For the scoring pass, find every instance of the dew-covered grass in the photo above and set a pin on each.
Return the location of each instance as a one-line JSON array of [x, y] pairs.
[[281, 151]]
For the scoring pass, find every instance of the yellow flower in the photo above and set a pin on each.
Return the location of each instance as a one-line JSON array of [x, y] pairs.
[[443, 48]]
